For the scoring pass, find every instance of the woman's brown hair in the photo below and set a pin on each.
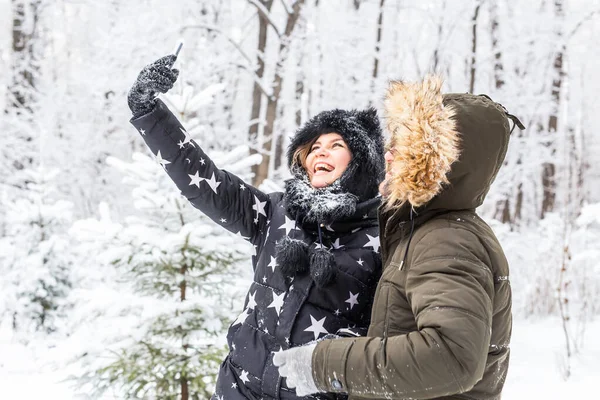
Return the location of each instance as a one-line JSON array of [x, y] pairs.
[[301, 153]]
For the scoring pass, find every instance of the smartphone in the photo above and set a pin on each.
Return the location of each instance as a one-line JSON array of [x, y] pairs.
[[179, 46]]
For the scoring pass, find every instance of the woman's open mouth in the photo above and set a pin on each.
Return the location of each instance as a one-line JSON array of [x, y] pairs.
[[322, 168]]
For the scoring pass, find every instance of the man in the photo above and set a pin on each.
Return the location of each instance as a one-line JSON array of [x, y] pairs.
[[441, 320]]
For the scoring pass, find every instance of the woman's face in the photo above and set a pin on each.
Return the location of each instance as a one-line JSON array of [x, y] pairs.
[[328, 159]]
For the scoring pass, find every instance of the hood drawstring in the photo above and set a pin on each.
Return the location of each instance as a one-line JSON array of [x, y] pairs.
[[412, 229], [323, 268], [292, 254], [320, 235]]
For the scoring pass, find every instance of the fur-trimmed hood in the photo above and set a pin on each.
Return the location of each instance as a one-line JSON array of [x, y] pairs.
[[447, 148]]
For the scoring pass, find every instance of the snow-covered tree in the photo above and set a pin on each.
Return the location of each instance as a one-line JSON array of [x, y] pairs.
[[179, 261], [35, 260]]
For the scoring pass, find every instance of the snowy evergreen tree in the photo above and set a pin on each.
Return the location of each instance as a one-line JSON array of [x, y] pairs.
[[182, 263], [35, 261]]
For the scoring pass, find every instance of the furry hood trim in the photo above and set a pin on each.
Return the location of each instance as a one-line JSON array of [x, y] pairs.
[[447, 149]]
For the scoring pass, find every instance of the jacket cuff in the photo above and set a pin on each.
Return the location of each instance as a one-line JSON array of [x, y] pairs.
[[160, 129], [329, 364], [157, 112]]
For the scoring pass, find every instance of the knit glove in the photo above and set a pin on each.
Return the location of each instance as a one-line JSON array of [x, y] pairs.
[[155, 78], [295, 365]]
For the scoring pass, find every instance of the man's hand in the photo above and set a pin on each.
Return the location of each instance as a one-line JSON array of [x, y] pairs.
[[155, 78], [295, 365]]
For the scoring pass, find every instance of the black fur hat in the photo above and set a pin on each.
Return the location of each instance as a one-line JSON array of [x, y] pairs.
[[359, 182], [362, 132]]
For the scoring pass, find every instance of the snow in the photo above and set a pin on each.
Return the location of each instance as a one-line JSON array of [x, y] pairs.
[[537, 354], [69, 167]]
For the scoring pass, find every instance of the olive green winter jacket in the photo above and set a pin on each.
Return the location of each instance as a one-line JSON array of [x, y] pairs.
[[441, 320]]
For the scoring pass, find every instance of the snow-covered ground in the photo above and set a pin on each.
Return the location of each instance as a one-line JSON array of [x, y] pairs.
[[537, 362]]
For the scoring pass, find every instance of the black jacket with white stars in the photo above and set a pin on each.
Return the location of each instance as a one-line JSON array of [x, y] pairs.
[[279, 311]]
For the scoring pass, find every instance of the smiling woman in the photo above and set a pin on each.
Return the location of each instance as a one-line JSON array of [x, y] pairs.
[[316, 261], [327, 159]]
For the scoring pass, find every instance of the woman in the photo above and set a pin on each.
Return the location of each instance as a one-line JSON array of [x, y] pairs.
[[316, 263], [441, 323]]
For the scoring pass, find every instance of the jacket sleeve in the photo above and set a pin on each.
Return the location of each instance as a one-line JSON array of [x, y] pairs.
[[450, 288], [222, 196]]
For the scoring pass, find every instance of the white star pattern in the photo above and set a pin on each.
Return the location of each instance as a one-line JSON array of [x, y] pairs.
[[161, 160], [352, 300], [187, 138], [373, 242], [234, 385], [337, 312], [244, 377], [264, 279], [143, 132], [195, 179], [181, 144], [289, 225], [316, 327], [251, 300], [202, 161], [259, 207], [336, 244], [273, 263], [277, 302], [223, 220], [360, 262], [242, 187], [241, 318], [212, 183]]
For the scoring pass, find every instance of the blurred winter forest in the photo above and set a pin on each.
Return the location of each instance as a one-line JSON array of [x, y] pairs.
[[102, 259]]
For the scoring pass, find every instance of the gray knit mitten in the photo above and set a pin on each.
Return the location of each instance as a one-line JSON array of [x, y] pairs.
[[155, 78]]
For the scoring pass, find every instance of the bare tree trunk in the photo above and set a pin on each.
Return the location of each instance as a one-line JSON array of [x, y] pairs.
[[498, 64], [21, 87], [25, 14], [377, 46], [257, 94], [549, 168], [262, 169], [503, 207], [473, 66], [440, 32]]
